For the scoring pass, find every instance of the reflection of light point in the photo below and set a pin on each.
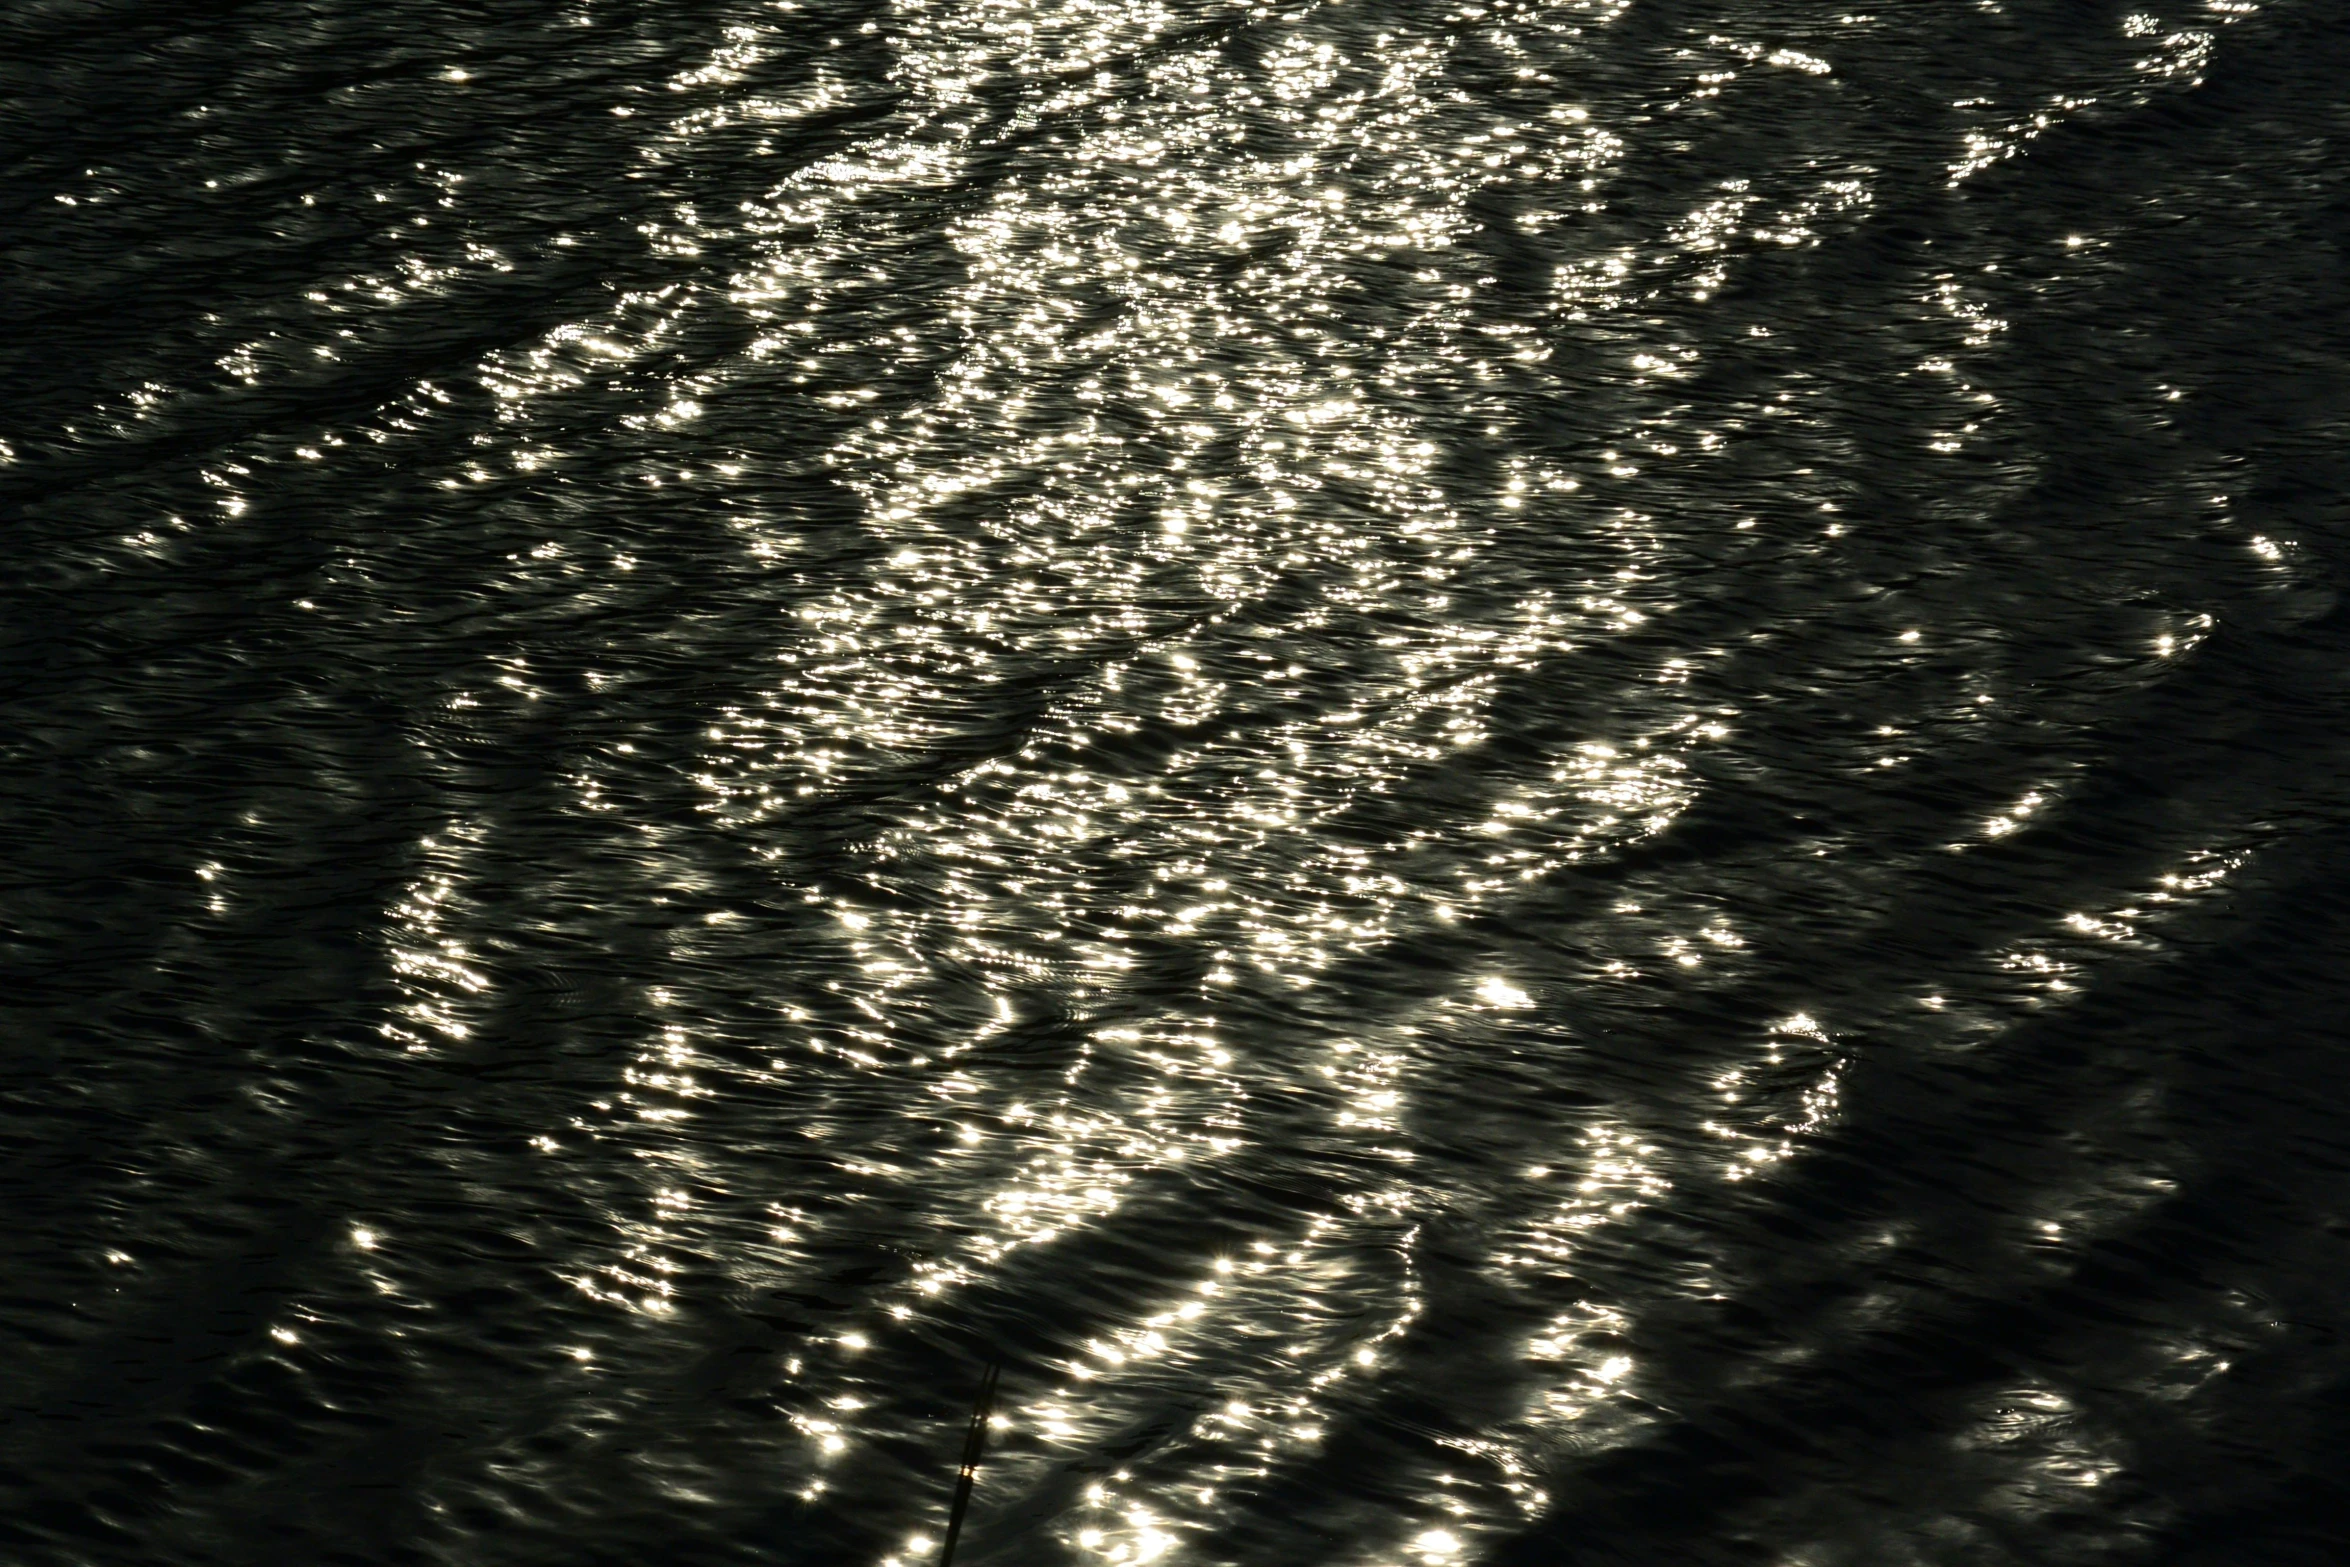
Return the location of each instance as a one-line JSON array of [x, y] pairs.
[[1501, 993]]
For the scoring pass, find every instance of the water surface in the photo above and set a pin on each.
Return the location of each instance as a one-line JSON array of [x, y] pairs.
[[1523, 784]]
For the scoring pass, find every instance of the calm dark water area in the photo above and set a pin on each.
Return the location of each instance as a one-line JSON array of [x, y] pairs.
[[1523, 785]]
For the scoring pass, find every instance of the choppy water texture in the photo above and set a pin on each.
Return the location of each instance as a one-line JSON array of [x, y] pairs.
[[1527, 784]]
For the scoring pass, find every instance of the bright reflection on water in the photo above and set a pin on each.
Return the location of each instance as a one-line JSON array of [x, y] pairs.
[[1306, 718]]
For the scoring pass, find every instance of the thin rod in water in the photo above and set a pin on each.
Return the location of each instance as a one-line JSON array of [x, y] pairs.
[[973, 1444]]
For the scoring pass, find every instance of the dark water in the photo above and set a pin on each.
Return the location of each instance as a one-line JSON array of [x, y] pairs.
[[1528, 784]]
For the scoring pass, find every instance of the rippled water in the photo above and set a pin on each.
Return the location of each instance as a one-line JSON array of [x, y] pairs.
[[1523, 784]]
